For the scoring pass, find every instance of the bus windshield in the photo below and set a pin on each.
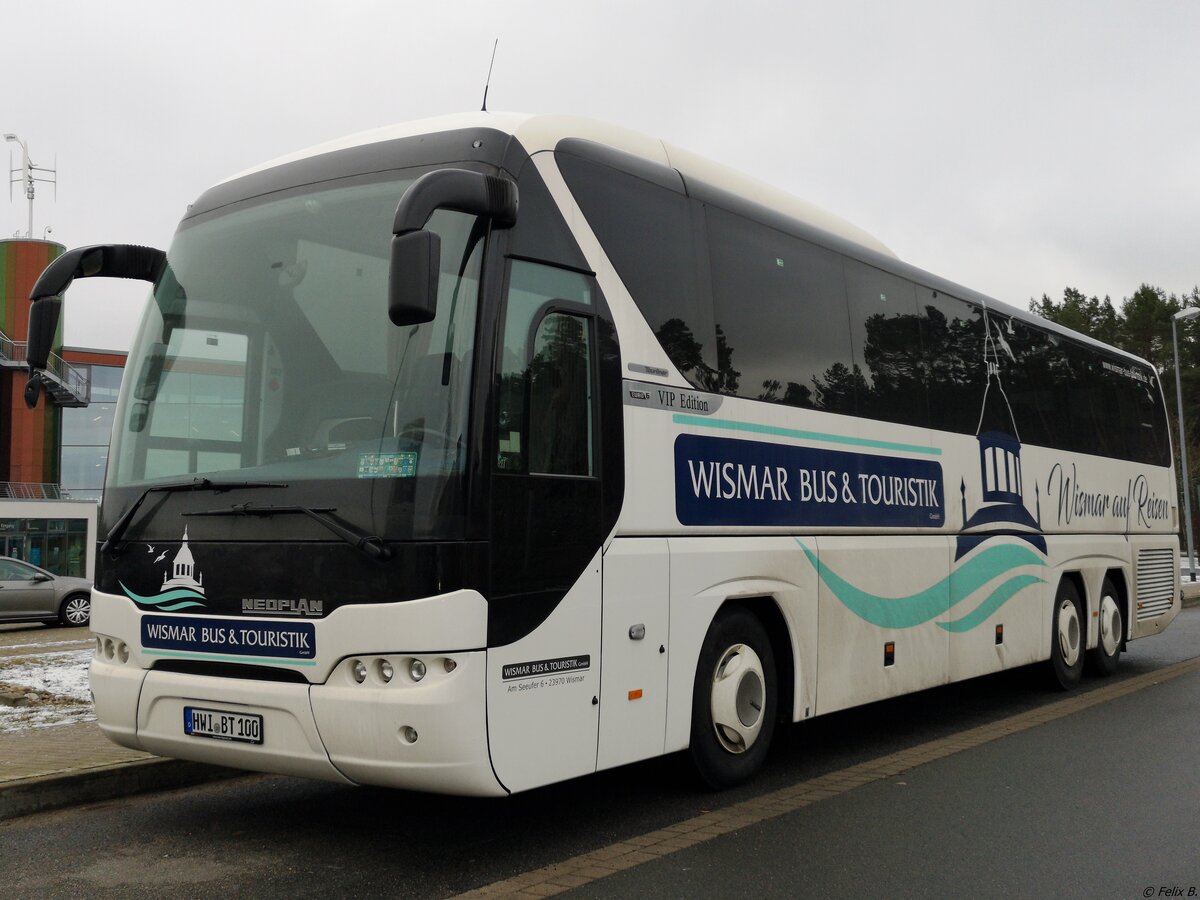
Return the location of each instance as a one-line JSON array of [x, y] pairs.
[[266, 353]]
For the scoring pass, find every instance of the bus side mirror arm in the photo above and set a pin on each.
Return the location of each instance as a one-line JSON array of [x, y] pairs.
[[416, 253], [95, 261]]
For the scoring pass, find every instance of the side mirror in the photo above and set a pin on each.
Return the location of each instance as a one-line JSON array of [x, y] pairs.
[[150, 375], [416, 253], [413, 277], [41, 576], [96, 261], [43, 322]]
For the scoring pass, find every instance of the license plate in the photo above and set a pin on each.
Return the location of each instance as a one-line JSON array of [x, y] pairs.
[[246, 728]]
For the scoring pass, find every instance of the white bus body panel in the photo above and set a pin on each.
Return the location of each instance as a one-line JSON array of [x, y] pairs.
[[851, 668], [369, 741], [291, 743], [543, 693], [636, 645]]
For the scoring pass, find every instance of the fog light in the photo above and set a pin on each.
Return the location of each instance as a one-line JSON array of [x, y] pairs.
[[409, 734], [450, 664], [386, 671], [416, 669], [359, 668]]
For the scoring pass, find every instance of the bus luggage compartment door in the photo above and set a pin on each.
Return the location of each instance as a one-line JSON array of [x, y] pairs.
[[633, 676]]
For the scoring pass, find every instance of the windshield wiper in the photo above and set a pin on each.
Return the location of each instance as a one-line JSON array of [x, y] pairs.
[[370, 544], [196, 484]]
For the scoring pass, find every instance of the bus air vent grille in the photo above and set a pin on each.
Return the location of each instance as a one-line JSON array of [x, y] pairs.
[[1155, 582]]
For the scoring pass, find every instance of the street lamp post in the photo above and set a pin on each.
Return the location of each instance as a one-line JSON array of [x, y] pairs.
[[1190, 313]]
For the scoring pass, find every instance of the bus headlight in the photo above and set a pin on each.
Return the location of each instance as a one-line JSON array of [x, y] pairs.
[[416, 669], [359, 669], [385, 671]]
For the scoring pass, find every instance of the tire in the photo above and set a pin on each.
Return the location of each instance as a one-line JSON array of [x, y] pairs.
[[1066, 636], [734, 700], [1103, 658], [76, 610]]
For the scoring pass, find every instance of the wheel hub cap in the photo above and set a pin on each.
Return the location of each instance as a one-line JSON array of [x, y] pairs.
[[738, 698], [1068, 632], [1110, 625]]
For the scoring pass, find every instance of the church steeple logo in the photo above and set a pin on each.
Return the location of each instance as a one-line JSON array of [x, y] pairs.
[[182, 585]]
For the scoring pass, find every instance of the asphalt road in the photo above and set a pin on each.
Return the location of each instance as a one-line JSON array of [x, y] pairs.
[[1100, 803]]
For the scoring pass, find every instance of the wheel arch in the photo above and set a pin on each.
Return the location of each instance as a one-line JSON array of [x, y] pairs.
[[768, 612]]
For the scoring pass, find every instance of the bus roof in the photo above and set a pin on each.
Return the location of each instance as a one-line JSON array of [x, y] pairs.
[[539, 133], [543, 132]]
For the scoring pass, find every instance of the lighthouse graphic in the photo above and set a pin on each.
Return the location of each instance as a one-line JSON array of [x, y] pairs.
[[182, 586], [1003, 511], [183, 571], [981, 581]]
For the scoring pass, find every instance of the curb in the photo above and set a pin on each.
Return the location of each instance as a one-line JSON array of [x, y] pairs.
[[46, 792], [1191, 593]]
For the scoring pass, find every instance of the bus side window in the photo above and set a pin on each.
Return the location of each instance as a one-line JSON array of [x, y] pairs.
[[541, 374], [560, 397]]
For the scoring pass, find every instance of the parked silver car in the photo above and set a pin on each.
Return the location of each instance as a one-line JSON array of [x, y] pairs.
[[30, 594]]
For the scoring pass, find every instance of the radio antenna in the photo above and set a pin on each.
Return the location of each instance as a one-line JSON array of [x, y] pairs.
[[488, 83]]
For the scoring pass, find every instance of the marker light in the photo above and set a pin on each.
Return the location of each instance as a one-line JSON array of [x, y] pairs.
[[416, 669], [450, 664], [359, 669]]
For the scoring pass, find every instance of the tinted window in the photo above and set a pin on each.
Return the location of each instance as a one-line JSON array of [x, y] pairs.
[[560, 397], [952, 337], [649, 230], [780, 310], [544, 409], [886, 336]]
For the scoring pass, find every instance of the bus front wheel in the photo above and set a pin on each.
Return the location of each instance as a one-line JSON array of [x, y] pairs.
[[733, 705], [1066, 636]]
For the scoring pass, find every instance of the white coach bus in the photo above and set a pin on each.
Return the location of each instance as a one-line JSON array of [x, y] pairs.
[[480, 453]]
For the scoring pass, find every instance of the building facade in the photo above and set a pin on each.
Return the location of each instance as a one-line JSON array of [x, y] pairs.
[[53, 457]]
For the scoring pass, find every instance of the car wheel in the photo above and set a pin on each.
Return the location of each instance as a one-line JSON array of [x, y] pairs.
[[1066, 637], [733, 704], [1103, 658], [75, 611]]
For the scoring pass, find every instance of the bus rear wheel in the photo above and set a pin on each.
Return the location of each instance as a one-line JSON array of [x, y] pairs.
[[734, 701], [1103, 658], [1066, 636]]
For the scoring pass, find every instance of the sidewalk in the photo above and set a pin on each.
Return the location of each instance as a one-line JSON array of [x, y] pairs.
[[63, 765], [66, 765]]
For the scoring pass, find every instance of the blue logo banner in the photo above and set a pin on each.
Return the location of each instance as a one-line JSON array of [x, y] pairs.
[[282, 640], [722, 481]]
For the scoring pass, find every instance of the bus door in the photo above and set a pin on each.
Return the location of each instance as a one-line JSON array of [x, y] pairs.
[[546, 532]]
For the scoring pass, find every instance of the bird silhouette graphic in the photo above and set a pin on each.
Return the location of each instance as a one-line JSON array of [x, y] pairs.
[[150, 548], [161, 556]]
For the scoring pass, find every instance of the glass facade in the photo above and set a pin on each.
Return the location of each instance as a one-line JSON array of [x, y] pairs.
[[57, 545], [85, 434]]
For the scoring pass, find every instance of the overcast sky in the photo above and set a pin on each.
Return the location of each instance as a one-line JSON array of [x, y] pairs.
[[1015, 147]]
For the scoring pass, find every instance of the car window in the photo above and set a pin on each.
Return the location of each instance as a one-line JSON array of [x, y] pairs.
[[11, 570]]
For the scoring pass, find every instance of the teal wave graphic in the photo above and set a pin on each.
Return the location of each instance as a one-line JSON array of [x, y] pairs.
[[190, 598], [939, 598], [994, 601]]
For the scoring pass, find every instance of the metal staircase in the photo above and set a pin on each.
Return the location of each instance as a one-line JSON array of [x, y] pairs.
[[65, 385]]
